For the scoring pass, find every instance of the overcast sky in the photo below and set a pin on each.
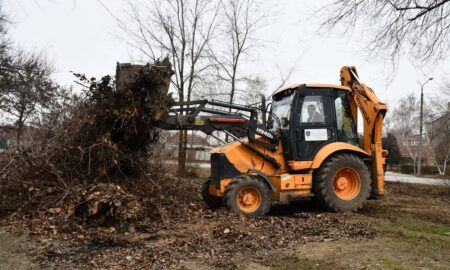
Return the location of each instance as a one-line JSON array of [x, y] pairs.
[[80, 36]]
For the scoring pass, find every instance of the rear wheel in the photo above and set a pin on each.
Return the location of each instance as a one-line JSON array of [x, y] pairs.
[[247, 195], [211, 201], [342, 183]]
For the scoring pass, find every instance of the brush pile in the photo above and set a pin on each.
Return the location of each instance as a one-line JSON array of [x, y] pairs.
[[103, 142]]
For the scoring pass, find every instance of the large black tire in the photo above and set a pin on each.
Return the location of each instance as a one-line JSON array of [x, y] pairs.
[[247, 195], [211, 201], [329, 185]]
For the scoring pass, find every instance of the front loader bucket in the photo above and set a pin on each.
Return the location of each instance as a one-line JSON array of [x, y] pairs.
[[127, 74]]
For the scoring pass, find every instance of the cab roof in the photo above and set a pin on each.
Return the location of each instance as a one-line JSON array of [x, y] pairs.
[[312, 85]]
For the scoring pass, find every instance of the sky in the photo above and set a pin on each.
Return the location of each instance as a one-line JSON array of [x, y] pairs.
[[81, 36]]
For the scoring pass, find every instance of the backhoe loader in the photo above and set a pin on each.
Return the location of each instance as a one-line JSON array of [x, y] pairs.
[[306, 146]]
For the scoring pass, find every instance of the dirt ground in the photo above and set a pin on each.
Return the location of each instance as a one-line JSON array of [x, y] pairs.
[[408, 229]]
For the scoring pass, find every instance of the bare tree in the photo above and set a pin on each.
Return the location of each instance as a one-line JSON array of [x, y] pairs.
[[439, 129], [58, 110], [240, 22], [5, 53], [403, 120], [212, 89], [27, 89], [181, 30], [405, 115], [255, 87], [439, 102], [419, 27], [241, 19], [286, 75]]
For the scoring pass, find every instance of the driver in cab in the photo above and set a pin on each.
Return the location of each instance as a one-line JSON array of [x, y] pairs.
[[314, 114]]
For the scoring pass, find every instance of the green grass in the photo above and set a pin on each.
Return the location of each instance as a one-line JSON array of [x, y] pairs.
[[391, 264], [419, 233], [402, 243]]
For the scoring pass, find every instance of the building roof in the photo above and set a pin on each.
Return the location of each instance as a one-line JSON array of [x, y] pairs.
[[412, 150]]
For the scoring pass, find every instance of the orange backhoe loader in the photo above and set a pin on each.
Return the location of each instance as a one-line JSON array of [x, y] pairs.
[[306, 146]]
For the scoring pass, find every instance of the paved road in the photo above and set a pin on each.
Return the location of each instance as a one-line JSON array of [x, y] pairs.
[[406, 178]]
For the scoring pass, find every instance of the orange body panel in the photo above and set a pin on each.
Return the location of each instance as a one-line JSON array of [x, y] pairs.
[[292, 181], [323, 153], [244, 159], [219, 192], [291, 187], [331, 148], [299, 165]]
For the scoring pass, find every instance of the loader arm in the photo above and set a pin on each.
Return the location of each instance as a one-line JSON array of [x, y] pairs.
[[372, 111], [216, 117]]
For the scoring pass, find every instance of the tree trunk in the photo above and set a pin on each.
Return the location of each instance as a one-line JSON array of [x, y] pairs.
[[181, 152], [182, 141], [19, 127], [445, 164], [233, 89], [185, 143]]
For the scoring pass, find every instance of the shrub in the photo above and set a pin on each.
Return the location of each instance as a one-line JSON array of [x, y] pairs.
[[430, 170], [407, 168]]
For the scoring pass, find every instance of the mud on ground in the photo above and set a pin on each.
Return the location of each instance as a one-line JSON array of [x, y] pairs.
[[408, 229]]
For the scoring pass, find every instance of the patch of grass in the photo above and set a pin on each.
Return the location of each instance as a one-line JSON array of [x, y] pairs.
[[413, 231], [123, 226], [391, 264], [279, 263], [424, 227]]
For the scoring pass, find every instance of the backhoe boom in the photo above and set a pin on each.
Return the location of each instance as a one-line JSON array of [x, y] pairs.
[[372, 111]]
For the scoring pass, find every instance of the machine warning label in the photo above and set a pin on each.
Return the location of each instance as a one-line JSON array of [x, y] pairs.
[[316, 134]]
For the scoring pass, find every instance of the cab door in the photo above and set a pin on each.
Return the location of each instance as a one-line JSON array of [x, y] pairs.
[[313, 122]]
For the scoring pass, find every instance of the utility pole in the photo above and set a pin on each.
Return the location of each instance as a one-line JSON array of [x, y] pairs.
[[419, 162]]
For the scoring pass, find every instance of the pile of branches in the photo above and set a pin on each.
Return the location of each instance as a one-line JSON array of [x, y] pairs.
[[105, 138]]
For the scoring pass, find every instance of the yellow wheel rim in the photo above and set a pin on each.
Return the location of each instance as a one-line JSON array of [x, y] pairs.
[[347, 183], [249, 199]]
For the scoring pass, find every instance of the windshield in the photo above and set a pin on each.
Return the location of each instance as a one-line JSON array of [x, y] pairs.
[[281, 108]]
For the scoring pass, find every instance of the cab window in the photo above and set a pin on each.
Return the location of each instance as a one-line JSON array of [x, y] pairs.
[[345, 126], [281, 110]]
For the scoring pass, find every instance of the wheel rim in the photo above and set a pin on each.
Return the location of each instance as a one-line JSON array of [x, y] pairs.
[[249, 199], [347, 183]]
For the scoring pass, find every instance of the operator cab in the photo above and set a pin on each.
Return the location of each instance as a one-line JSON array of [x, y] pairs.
[[310, 116]]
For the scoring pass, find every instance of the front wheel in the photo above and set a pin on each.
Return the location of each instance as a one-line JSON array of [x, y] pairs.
[[247, 195], [342, 183], [211, 201]]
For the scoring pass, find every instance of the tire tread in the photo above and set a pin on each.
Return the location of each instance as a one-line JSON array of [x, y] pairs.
[[326, 198]]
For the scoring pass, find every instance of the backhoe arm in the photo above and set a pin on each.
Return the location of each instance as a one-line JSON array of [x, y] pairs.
[[372, 111]]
